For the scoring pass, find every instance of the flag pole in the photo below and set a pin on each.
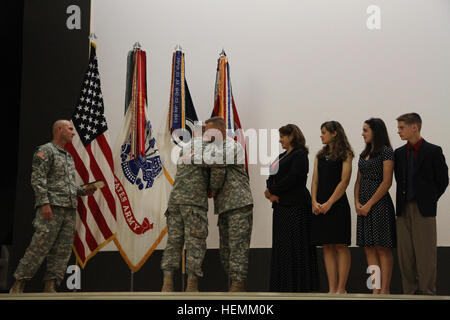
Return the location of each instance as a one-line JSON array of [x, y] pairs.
[[131, 281], [76, 270]]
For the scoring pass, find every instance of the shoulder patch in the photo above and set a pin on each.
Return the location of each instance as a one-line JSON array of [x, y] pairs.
[[41, 155]]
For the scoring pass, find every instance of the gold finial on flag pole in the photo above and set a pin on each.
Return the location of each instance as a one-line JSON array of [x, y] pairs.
[[92, 37]]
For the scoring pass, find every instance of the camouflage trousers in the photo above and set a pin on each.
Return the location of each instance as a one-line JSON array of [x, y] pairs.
[[52, 239], [235, 230], [186, 225]]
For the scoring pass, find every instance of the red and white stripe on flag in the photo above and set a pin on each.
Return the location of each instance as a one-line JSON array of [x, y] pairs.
[[96, 221], [96, 218]]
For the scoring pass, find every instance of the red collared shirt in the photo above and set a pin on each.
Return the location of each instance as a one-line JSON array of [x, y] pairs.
[[415, 147]]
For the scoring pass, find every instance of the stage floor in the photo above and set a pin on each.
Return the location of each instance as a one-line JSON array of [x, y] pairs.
[[210, 296]]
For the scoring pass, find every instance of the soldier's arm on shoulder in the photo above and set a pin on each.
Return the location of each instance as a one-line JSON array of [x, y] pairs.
[[41, 166], [217, 178], [214, 156], [240, 153], [197, 149]]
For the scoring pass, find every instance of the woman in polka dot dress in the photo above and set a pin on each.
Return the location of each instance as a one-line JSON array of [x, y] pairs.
[[376, 215], [294, 262]]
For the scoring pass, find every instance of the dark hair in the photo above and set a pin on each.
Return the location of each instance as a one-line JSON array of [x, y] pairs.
[[341, 147], [380, 138], [411, 118], [298, 139], [218, 122]]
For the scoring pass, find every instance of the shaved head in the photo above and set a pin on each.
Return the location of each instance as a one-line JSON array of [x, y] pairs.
[[59, 124], [63, 132], [217, 122]]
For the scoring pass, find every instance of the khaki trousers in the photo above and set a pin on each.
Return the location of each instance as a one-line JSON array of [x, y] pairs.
[[416, 249]]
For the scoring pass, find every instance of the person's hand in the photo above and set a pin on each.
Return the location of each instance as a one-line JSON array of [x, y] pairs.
[[364, 210], [90, 190], [46, 211], [325, 207], [267, 194], [274, 198], [358, 207], [316, 208]]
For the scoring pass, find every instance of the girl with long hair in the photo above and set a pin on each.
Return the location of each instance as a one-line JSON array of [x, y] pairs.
[[376, 215], [332, 221]]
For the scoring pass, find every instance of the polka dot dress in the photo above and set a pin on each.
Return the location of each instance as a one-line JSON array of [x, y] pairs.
[[378, 227], [294, 260]]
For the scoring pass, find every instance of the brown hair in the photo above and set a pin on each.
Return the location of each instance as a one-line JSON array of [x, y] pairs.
[[341, 148], [411, 118], [298, 139], [380, 138]]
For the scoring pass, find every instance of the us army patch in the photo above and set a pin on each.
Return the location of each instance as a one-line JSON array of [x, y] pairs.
[[41, 155]]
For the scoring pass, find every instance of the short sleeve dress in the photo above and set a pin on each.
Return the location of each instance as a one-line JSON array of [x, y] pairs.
[[378, 227]]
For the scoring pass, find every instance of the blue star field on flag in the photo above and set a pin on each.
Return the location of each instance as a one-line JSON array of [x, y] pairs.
[[88, 117]]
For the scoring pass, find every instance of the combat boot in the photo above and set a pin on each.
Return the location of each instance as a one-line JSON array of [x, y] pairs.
[[192, 284], [237, 286], [17, 287], [50, 286], [168, 282]]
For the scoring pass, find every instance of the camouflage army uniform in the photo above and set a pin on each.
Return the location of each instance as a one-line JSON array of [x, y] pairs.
[[234, 204], [53, 182], [187, 215]]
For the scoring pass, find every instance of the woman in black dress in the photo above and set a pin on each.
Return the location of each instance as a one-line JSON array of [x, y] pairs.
[[294, 263], [374, 207], [331, 222]]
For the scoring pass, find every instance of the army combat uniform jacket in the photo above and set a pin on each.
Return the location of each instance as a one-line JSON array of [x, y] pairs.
[[192, 182], [53, 177], [235, 189]]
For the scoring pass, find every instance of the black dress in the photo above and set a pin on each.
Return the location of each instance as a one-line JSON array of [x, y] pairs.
[[378, 227], [294, 261], [334, 227]]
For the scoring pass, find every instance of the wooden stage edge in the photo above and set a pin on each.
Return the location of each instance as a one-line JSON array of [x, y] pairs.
[[210, 296]]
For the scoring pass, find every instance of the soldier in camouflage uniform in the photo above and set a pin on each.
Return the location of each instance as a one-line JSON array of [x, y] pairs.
[[187, 217], [234, 204], [53, 182]]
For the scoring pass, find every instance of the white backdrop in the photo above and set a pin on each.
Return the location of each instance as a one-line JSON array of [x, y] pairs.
[[302, 62]]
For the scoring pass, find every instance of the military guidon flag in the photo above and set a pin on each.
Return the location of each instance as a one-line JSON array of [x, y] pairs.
[[224, 105], [181, 117], [90, 149], [140, 183]]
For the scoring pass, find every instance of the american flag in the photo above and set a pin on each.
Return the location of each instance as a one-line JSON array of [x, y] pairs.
[[90, 149]]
